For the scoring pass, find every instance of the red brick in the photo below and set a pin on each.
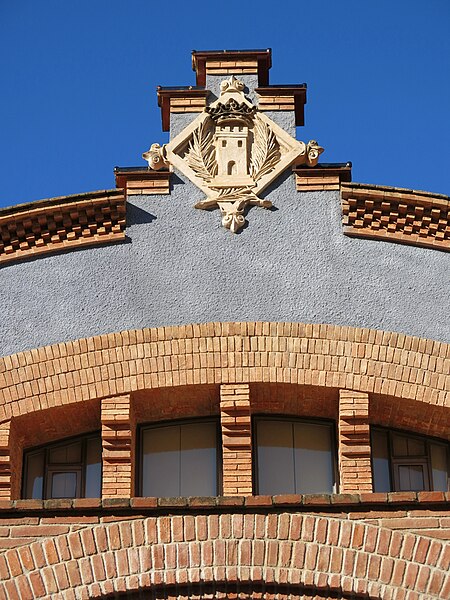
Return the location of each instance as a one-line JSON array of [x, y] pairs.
[[400, 497], [98, 568], [410, 575], [140, 503], [431, 496], [87, 503], [37, 585], [49, 580], [75, 546], [61, 576], [14, 566], [255, 501], [73, 572], [24, 587]]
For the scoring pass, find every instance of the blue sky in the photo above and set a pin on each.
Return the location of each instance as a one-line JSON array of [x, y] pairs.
[[78, 83]]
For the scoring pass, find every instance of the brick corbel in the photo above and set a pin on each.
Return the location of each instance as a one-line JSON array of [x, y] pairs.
[[118, 443], [354, 442], [236, 439]]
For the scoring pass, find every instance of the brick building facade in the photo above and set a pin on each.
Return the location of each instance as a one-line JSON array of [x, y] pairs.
[[191, 412]]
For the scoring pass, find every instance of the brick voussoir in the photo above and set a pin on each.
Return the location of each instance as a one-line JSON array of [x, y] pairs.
[[331, 553]]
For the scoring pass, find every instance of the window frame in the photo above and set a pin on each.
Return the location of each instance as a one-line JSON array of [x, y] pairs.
[[142, 427], [294, 419], [61, 467], [395, 462]]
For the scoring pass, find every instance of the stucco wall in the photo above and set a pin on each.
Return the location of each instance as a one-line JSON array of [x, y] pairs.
[[179, 265]]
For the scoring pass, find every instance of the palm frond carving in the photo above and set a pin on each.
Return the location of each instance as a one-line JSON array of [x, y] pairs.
[[201, 154], [265, 150]]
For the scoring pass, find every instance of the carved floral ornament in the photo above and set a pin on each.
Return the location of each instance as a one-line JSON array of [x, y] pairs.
[[232, 152]]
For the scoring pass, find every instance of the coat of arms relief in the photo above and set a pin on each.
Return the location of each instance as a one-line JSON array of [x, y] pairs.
[[232, 152]]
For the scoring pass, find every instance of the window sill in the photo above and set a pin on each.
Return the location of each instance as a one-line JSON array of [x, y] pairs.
[[302, 503]]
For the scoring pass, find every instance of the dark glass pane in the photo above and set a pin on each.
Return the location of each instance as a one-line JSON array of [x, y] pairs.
[[64, 485], [400, 445], [411, 478], [380, 461], [93, 468], [275, 457], [314, 473], [68, 454], [439, 466], [198, 461], [161, 461], [35, 475], [416, 447]]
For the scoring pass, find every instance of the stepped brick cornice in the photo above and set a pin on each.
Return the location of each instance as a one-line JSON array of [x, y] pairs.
[[142, 181], [61, 223], [396, 215]]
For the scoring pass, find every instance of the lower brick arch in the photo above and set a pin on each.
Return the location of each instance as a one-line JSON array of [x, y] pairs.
[[319, 555]]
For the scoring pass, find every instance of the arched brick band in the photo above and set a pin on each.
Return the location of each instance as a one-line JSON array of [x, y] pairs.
[[332, 555], [363, 360]]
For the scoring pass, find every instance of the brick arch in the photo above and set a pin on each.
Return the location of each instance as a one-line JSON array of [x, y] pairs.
[[377, 362], [333, 556]]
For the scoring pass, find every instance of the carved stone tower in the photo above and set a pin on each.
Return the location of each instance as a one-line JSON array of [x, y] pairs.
[[232, 152]]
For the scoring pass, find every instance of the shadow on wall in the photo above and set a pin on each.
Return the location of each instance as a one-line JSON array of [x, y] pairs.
[[138, 216], [58, 251]]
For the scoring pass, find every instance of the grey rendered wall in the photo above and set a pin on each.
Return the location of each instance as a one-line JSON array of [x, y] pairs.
[[179, 265]]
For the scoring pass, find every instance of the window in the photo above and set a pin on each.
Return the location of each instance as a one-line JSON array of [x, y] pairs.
[[68, 469], [179, 459], [294, 457], [405, 462]]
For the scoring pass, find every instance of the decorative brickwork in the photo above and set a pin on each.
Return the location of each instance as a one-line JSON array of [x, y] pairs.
[[118, 440], [235, 420], [355, 467], [224, 67], [61, 223], [321, 553], [396, 215], [284, 98], [138, 181], [5, 460], [186, 105], [321, 177], [176, 373], [276, 103], [180, 100], [382, 363], [227, 62]]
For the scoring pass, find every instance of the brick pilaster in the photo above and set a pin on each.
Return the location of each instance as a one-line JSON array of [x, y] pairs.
[[236, 439], [354, 442], [118, 431], [5, 461]]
